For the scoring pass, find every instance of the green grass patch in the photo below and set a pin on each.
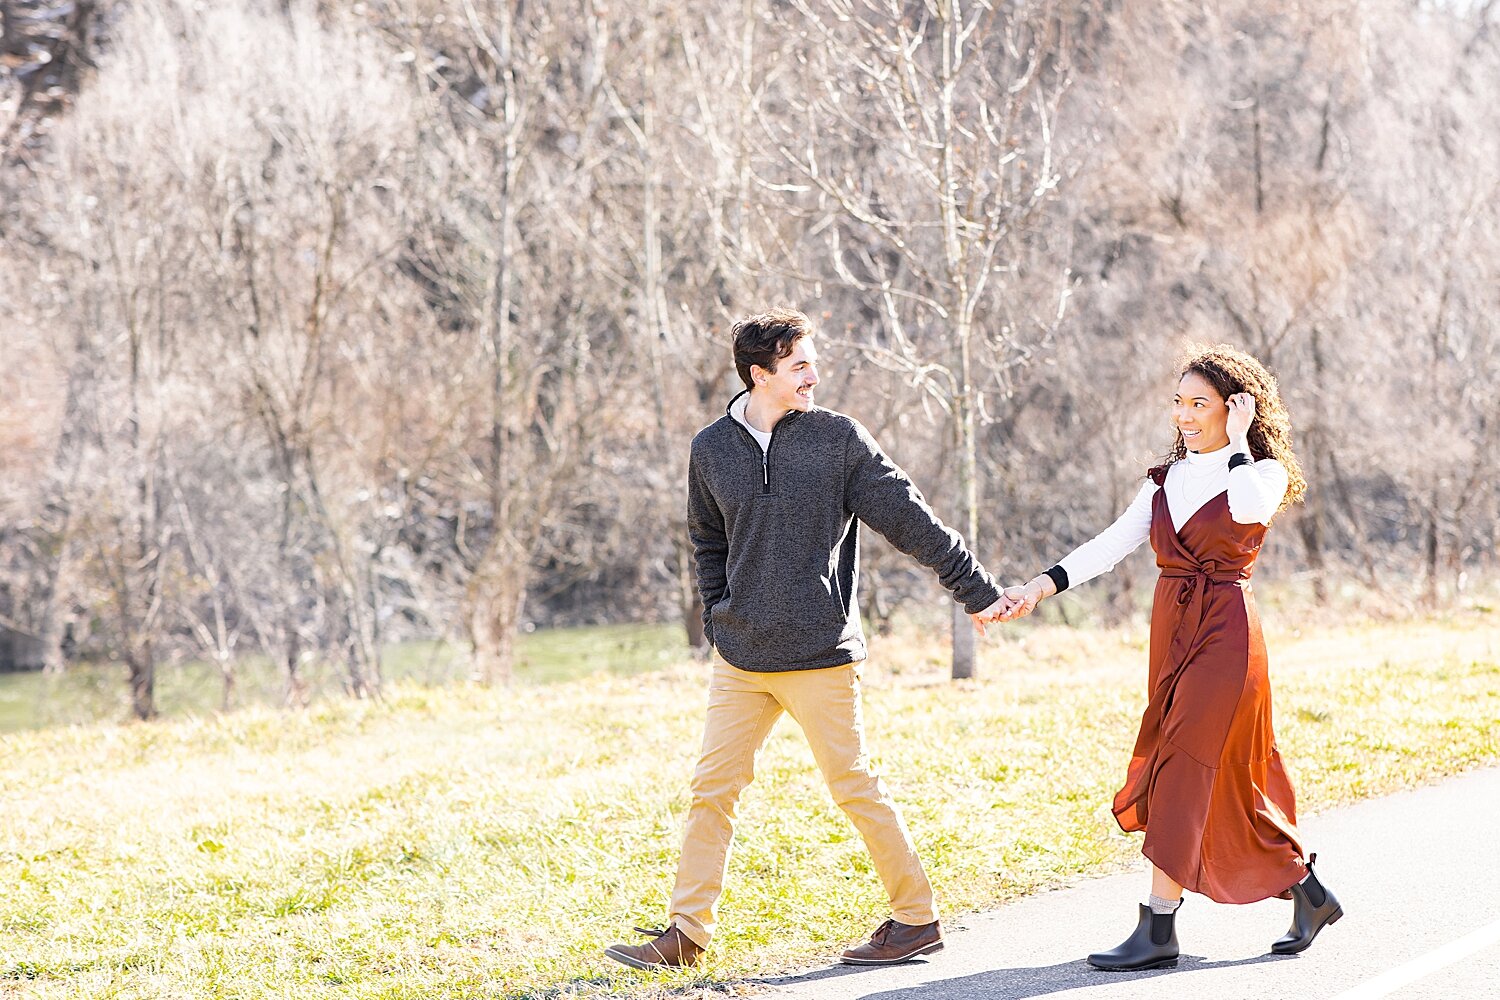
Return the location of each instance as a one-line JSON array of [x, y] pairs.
[[460, 842]]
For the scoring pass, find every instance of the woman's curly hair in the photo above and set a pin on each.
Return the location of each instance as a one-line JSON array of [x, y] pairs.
[[1230, 371]]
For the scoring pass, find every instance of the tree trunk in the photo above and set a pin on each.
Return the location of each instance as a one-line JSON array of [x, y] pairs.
[[968, 507], [692, 613], [963, 644], [53, 626], [226, 681], [361, 671], [1311, 524], [499, 582], [291, 664], [1310, 528], [1121, 603], [142, 669], [963, 416], [497, 594], [1430, 550], [295, 693]]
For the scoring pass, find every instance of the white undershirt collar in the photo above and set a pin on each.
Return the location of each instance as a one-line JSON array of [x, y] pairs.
[[737, 411], [1202, 460]]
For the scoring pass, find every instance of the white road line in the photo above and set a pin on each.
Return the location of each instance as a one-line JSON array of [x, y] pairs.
[[1392, 980]]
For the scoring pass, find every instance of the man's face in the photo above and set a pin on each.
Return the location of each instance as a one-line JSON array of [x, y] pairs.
[[790, 386]]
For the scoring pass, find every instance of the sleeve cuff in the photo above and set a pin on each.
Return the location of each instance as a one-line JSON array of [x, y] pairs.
[[1059, 577], [973, 607]]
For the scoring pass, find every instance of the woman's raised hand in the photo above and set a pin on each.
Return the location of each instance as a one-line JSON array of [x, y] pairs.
[[1241, 416]]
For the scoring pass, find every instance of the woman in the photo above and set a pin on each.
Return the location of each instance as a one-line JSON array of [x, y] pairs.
[[1205, 782]]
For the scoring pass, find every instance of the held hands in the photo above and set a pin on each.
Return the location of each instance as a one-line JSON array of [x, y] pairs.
[[1241, 416], [1023, 600], [1015, 603], [994, 613]]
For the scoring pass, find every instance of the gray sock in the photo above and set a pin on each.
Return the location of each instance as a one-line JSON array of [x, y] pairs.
[[1160, 905]]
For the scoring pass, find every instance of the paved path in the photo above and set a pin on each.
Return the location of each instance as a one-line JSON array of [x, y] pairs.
[[1418, 874]]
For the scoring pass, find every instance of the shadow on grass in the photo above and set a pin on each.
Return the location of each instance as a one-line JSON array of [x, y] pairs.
[[1014, 983]]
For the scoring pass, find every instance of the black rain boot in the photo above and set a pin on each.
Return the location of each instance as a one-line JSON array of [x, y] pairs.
[[1313, 908], [1152, 946]]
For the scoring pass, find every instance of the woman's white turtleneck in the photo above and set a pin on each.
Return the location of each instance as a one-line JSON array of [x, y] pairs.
[[1255, 491]]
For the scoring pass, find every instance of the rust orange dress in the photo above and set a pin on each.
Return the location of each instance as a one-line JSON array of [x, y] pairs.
[[1205, 782]]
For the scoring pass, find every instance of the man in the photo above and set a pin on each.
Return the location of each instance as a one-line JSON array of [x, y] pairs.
[[776, 491]]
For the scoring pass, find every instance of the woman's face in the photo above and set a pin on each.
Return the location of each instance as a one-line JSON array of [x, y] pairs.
[[1200, 413]]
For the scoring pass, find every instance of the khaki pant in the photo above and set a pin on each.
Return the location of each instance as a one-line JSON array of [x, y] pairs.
[[742, 707]]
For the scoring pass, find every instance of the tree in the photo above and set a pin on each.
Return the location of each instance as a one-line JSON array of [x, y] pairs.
[[929, 149], [506, 259]]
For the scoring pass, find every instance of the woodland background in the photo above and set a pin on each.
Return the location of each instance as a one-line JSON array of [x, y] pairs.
[[326, 326]]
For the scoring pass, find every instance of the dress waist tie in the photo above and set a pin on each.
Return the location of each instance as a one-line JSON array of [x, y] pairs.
[[1192, 592]]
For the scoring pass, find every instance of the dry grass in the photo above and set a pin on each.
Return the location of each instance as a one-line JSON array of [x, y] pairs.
[[455, 842]]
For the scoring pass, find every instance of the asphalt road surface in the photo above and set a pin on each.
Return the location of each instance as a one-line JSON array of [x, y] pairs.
[[1418, 874]]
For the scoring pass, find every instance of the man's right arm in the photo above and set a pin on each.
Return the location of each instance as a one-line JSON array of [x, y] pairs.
[[710, 543]]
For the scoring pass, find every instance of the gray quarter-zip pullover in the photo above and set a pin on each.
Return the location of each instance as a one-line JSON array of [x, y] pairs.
[[776, 538]]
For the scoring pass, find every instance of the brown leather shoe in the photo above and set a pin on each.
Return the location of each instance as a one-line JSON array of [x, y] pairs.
[[671, 949], [893, 943]]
